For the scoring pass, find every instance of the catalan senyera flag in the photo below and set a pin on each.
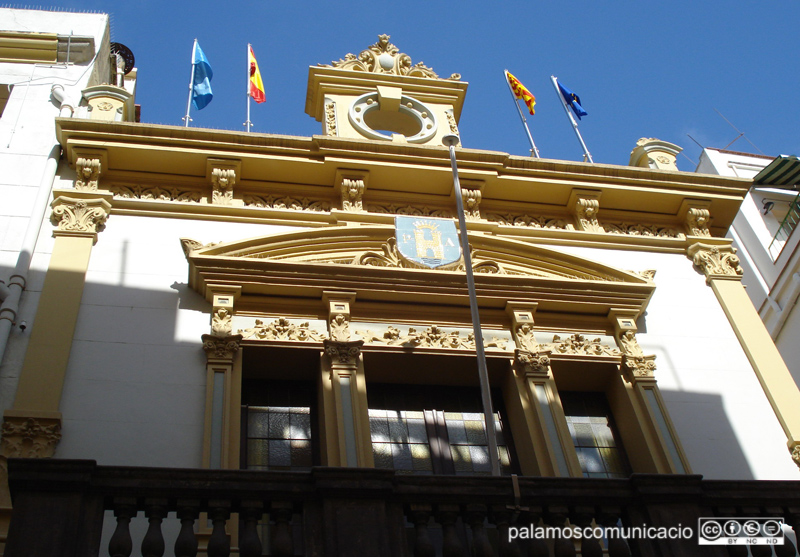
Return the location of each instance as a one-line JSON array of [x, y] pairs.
[[521, 92], [256, 85]]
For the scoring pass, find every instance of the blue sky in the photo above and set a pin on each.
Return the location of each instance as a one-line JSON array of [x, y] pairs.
[[642, 69]]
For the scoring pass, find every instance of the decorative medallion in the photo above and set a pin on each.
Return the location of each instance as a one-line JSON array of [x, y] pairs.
[[423, 118], [427, 242]]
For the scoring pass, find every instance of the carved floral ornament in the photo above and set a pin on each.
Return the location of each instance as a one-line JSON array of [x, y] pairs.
[[432, 337], [533, 362], [87, 216], [795, 451], [88, 170], [384, 57], [221, 348], [716, 261], [30, 437]]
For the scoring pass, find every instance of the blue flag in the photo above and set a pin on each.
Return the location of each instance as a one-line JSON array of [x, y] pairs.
[[573, 100], [201, 88]]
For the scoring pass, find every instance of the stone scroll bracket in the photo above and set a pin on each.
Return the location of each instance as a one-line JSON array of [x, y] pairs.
[[223, 298], [89, 165], [223, 175], [635, 363], [352, 184], [522, 314], [696, 216], [337, 305], [471, 197], [585, 205]]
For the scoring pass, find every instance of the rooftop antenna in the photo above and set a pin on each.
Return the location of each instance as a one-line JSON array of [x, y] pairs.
[[741, 134]]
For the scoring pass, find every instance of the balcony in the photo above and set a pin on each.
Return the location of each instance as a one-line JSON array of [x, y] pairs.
[[60, 505]]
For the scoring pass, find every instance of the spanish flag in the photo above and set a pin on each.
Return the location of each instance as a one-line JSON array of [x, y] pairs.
[[256, 85], [521, 92]]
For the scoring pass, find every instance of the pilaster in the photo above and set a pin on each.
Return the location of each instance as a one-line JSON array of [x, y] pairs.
[[723, 273]]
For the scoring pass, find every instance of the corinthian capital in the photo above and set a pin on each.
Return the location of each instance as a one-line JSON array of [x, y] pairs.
[[717, 262], [532, 362], [30, 437], [79, 217], [221, 348], [344, 354]]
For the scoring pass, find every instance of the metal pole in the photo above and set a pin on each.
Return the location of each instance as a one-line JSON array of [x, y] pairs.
[[554, 79], [248, 123], [191, 87], [483, 374], [534, 150]]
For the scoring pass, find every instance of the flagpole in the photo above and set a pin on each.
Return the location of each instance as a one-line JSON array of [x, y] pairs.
[[248, 123], [554, 79], [483, 374], [534, 150], [191, 87]]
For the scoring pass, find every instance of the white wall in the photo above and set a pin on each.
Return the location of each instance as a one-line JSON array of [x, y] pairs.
[[723, 419]]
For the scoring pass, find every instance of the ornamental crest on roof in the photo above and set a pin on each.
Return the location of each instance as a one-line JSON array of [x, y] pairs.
[[384, 57]]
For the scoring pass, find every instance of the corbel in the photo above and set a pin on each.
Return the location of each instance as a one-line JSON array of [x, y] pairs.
[[634, 361], [696, 216], [585, 205], [89, 165], [223, 174], [223, 298], [352, 184], [338, 308], [471, 196], [529, 358]]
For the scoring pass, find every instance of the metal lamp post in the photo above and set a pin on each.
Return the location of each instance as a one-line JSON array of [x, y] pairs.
[[483, 374]]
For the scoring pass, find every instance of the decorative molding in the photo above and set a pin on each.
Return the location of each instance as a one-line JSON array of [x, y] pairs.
[[451, 121], [716, 261], [410, 210], [343, 353], [525, 338], [432, 337], [390, 257], [578, 344], [282, 329], [222, 182], [532, 361], [286, 203], [156, 193], [638, 229], [221, 348], [352, 190], [340, 328], [30, 437], [79, 216], [648, 274], [221, 322], [697, 221], [795, 452], [510, 219], [88, 173], [472, 201], [586, 210], [633, 357], [384, 57], [330, 119]]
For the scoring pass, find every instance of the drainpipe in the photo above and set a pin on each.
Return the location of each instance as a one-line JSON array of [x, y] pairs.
[[11, 293]]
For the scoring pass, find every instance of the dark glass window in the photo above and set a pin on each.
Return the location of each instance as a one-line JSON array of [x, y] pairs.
[[424, 429], [594, 435], [277, 425]]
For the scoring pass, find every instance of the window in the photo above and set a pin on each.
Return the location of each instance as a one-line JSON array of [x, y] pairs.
[[594, 435], [277, 425], [424, 429]]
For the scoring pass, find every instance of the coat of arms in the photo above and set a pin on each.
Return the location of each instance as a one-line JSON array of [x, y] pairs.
[[427, 242]]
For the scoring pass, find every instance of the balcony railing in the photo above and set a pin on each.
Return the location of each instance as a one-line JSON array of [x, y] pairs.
[[59, 507], [788, 224]]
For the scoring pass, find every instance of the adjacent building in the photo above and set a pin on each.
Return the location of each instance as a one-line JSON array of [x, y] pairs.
[[277, 330]]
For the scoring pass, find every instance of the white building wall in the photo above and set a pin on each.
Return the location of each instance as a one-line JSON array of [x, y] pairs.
[[724, 421], [136, 380]]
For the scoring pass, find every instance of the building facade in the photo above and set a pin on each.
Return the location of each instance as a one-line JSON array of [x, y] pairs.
[[218, 301]]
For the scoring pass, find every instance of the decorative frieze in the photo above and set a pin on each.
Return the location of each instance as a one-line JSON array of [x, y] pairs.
[[717, 262], [26, 437], [286, 202], [638, 229], [423, 211], [510, 219], [580, 345], [221, 348], [88, 173], [432, 337], [79, 216], [156, 193], [282, 329]]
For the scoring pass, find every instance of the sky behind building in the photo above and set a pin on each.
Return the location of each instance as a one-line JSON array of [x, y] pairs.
[[642, 69]]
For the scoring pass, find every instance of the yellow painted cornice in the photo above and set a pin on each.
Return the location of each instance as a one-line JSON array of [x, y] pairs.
[[28, 47], [147, 153]]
